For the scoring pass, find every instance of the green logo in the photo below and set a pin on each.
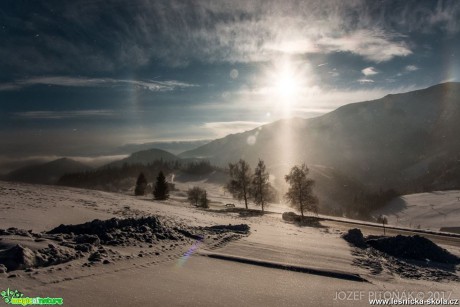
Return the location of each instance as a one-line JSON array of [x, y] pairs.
[[9, 295], [15, 297]]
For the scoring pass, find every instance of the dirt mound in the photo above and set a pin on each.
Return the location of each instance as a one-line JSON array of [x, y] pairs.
[[241, 228], [412, 257], [355, 237], [413, 247], [119, 231]]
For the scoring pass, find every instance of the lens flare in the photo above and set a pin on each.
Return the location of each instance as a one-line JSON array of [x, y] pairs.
[[182, 260]]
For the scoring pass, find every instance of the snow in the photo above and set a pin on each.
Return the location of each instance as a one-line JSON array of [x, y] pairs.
[[424, 210], [170, 279]]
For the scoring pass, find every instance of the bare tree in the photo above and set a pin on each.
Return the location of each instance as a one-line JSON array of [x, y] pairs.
[[300, 194], [198, 197], [238, 186], [204, 201], [261, 190]]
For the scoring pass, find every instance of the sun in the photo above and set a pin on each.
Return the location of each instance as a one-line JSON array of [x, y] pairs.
[[286, 84], [287, 80]]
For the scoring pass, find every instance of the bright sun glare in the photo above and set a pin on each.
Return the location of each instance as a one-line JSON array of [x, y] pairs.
[[286, 84]]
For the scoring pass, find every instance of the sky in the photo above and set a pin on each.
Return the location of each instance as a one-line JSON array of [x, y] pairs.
[[80, 78]]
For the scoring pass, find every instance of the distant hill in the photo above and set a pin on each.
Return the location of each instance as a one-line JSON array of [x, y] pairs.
[[47, 173], [174, 147], [145, 157], [121, 176]]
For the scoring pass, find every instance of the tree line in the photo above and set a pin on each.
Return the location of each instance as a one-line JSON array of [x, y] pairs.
[[114, 179], [247, 185]]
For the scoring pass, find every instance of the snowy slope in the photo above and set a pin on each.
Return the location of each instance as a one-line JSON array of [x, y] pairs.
[[425, 210]]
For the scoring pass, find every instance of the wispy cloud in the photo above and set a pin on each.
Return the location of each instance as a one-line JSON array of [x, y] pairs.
[[369, 71], [177, 32], [411, 68], [365, 81], [151, 85], [376, 45], [220, 129], [63, 114]]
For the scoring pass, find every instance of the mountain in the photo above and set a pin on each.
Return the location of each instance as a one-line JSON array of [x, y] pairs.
[[145, 157], [390, 142], [174, 147], [47, 173]]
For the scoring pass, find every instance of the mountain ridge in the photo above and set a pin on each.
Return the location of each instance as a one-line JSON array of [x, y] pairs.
[[378, 139], [47, 173]]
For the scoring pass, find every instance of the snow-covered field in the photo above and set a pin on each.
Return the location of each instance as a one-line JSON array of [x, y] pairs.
[[182, 273], [432, 210]]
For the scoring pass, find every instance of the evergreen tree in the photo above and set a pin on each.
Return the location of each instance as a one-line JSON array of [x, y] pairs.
[[300, 194], [161, 190], [240, 181], [141, 184]]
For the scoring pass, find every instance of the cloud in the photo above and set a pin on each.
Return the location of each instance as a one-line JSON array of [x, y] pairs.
[[64, 114], [311, 100], [176, 33], [365, 81], [300, 46], [369, 71], [376, 45], [220, 129], [411, 68], [152, 85], [447, 15]]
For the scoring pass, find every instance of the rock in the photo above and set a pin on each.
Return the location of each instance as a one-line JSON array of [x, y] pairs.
[[106, 261], [95, 257]]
